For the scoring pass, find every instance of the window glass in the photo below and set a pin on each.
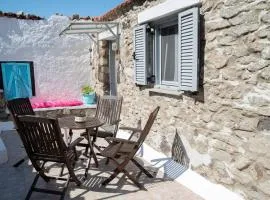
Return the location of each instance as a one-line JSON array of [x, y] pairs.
[[168, 52]]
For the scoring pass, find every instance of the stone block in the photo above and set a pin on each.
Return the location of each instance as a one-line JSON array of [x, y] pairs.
[[103, 44], [219, 145], [259, 99], [257, 65], [259, 145], [254, 194], [214, 107], [103, 53], [251, 17], [227, 40], [230, 12], [207, 6], [104, 70], [257, 46], [216, 59], [229, 139], [211, 73], [264, 124], [244, 29], [266, 18], [242, 163], [213, 126], [264, 187], [256, 170], [220, 155], [241, 176], [233, 2], [206, 117], [217, 25], [265, 162], [247, 124], [103, 61], [245, 60], [266, 53], [262, 33]]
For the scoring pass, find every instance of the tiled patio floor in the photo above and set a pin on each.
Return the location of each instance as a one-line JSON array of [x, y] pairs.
[[15, 182]]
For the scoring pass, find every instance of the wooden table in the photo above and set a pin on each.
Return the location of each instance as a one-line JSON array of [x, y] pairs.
[[92, 123]]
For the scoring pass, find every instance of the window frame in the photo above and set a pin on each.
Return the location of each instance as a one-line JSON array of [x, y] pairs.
[[187, 51], [171, 85]]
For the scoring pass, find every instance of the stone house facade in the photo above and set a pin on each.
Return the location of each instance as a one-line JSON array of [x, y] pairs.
[[225, 124]]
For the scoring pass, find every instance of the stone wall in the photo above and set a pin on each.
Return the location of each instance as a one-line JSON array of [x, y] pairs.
[[102, 72], [225, 128]]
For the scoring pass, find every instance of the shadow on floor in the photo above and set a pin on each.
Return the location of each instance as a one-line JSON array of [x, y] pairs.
[[15, 182]]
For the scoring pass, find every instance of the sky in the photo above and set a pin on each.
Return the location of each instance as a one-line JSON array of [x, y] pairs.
[[45, 8]]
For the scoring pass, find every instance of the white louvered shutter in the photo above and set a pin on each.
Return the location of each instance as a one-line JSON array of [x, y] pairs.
[[188, 22], [140, 54]]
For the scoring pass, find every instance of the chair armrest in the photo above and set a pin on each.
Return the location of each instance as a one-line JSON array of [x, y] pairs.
[[75, 142], [130, 129], [119, 140]]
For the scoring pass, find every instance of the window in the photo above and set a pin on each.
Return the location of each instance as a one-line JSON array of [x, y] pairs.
[[17, 79], [168, 55], [171, 55]]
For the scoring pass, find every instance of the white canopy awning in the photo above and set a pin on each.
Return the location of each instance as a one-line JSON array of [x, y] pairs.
[[92, 28]]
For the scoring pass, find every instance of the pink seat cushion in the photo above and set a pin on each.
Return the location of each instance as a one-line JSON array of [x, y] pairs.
[[41, 103]]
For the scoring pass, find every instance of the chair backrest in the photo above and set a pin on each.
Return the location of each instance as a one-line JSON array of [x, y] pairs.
[[41, 138], [147, 127], [109, 109], [20, 106]]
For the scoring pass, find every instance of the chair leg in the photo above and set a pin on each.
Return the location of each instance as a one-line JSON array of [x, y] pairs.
[[121, 168], [107, 161], [17, 164], [32, 187], [142, 168], [70, 136], [65, 189], [76, 154], [72, 175], [40, 171], [86, 151], [108, 180], [133, 179], [62, 170], [92, 150]]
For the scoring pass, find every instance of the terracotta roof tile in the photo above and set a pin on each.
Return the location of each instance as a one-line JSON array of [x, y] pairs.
[[20, 16], [119, 10]]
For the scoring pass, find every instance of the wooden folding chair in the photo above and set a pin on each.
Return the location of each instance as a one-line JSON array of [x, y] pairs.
[[108, 110], [43, 142], [121, 151], [19, 106]]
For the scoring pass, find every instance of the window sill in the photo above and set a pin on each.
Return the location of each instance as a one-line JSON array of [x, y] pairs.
[[166, 92]]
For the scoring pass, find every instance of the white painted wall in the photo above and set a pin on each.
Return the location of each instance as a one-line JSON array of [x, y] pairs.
[[61, 64]]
